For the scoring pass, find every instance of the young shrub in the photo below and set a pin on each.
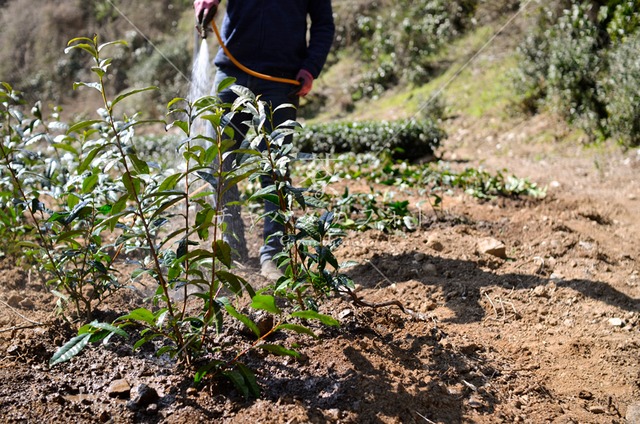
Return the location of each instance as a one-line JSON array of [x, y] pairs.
[[191, 256], [620, 89]]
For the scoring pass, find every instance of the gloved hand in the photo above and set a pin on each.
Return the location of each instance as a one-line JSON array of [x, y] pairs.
[[306, 82], [205, 10]]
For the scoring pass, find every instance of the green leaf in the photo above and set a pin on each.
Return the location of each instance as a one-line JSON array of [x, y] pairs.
[[90, 183], [233, 282], [112, 43], [86, 162], [83, 124], [223, 252], [243, 319], [139, 165], [238, 381], [70, 349], [131, 93], [132, 185], [279, 350], [325, 319], [87, 47], [174, 101], [265, 303], [249, 378], [183, 125], [109, 327], [140, 314], [146, 339], [204, 370], [225, 83], [298, 329]]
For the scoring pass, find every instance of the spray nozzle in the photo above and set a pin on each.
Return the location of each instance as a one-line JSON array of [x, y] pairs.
[[202, 30]]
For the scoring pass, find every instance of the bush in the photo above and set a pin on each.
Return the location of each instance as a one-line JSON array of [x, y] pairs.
[[404, 139], [577, 64], [397, 40], [574, 68], [621, 90]]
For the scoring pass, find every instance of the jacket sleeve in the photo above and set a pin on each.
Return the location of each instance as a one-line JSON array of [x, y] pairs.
[[321, 35]]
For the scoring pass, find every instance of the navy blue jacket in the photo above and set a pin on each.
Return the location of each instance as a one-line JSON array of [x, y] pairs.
[[270, 36]]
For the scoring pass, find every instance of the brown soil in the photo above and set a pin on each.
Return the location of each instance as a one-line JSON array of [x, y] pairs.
[[548, 334]]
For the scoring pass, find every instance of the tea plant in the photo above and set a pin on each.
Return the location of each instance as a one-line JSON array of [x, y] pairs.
[[152, 210], [378, 209], [61, 201], [402, 139]]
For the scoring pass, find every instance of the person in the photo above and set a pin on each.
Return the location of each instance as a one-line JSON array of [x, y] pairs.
[[271, 37]]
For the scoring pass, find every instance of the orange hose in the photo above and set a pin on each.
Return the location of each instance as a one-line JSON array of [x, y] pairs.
[[244, 68]]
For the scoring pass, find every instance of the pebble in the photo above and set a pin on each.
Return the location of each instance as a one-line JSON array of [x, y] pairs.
[[597, 409], [333, 414], [419, 257], [493, 247], [430, 270], [616, 322], [146, 396], [27, 304], [434, 243], [633, 413], [119, 388], [540, 291], [345, 313], [475, 402], [15, 300]]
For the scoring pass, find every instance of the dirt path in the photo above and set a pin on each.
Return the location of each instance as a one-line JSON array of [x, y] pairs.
[[547, 332]]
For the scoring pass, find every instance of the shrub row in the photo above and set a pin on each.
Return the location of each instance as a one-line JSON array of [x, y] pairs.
[[403, 139]]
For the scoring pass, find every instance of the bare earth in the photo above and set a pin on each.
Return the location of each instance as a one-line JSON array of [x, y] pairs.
[[550, 333]]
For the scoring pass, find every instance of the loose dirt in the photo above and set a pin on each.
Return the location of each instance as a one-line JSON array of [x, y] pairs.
[[545, 328]]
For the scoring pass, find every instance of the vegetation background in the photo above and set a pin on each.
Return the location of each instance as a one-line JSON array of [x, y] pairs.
[[577, 58]]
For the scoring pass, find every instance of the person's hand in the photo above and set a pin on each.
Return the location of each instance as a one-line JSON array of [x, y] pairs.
[[306, 82], [205, 10]]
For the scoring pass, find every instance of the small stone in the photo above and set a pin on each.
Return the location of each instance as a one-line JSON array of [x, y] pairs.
[[540, 291], [555, 277], [475, 402], [585, 395], [15, 300], [345, 313], [633, 413], [146, 396], [491, 246], [119, 388], [597, 409], [433, 243], [192, 391], [152, 409], [333, 414], [430, 270], [265, 323], [616, 322], [27, 304], [419, 257]]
